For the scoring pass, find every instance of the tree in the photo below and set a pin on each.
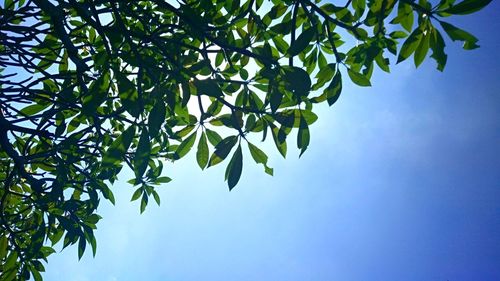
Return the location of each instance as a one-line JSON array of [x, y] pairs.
[[90, 86]]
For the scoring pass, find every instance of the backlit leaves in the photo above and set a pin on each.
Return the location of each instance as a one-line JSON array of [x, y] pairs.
[[410, 45], [358, 78], [185, 146], [467, 7], [259, 157], [141, 90]]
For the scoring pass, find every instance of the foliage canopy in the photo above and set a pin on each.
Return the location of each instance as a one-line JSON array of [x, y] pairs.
[[90, 86]]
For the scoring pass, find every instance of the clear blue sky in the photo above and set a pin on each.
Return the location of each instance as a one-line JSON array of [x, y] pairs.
[[401, 183]]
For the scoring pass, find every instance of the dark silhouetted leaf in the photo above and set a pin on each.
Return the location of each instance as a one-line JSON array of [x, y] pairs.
[[128, 94], [98, 92], [141, 157], [301, 42], [234, 168], [81, 247], [303, 136], [202, 153], [208, 87], [114, 154], [156, 118]]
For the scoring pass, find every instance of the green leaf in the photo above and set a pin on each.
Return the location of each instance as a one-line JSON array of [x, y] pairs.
[[297, 80], [269, 171], [34, 109], [405, 16], [116, 151], [108, 194], [398, 34], [137, 194], [219, 58], [186, 93], [250, 124], [156, 118], [208, 87], [301, 42], [280, 144], [332, 92], [456, 33], [94, 218], [410, 45], [11, 261], [437, 45], [93, 244], [144, 202], [213, 137], [184, 131], [97, 94], [141, 157], [202, 153], [185, 146], [467, 7], [258, 155], [3, 247], [358, 78], [290, 118], [382, 62], [156, 197], [128, 94], [81, 247], [234, 168], [275, 98], [324, 75], [9, 4], [36, 275], [163, 180], [422, 49], [303, 136], [280, 44], [334, 89], [222, 149]]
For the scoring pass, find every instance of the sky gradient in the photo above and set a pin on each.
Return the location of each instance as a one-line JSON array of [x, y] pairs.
[[401, 182]]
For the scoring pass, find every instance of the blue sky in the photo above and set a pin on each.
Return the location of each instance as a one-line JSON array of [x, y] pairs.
[[401, 182]]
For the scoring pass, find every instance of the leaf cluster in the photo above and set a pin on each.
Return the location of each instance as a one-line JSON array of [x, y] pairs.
[[90, 87]]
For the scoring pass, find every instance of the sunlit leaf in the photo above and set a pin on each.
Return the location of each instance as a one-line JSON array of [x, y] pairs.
[[358, 78], [185, 146]]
